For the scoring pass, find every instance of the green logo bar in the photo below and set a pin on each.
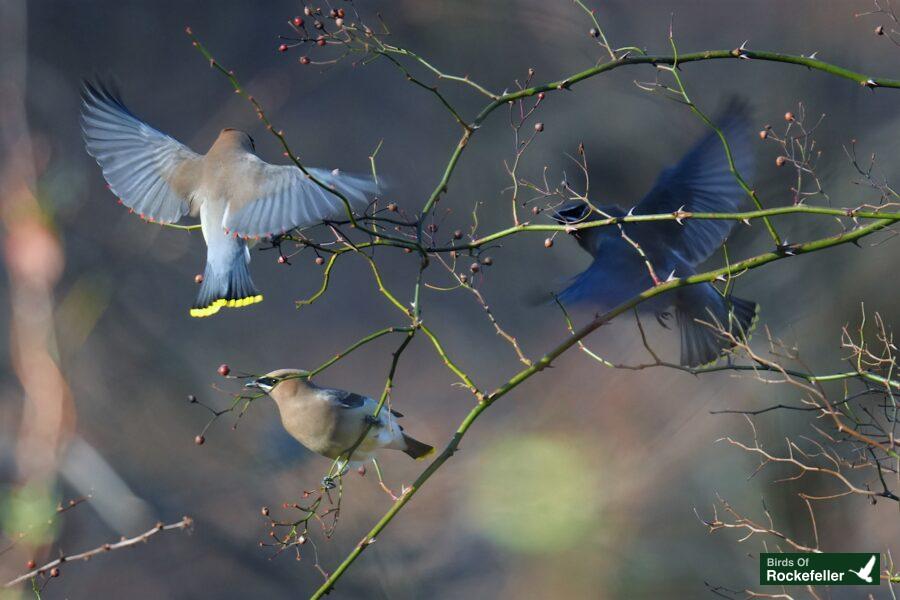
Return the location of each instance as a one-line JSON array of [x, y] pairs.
[[830, 568]]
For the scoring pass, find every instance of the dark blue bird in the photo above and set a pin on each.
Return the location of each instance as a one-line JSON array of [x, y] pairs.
[[701, 182]]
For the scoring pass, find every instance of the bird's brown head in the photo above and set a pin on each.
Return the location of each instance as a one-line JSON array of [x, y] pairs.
[[235, 138], [282, 383]]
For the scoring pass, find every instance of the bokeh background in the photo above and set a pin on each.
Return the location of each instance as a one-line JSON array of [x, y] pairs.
[[582, 483]]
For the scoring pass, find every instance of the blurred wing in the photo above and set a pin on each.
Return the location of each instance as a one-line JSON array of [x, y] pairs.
[[616, 275], [283, 197], [149, 171], [703, 182]]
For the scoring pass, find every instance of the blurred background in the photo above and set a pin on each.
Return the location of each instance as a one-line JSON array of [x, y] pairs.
[[581, 483]]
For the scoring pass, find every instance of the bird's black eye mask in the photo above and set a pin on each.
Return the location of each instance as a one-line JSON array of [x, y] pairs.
[[268, 381]]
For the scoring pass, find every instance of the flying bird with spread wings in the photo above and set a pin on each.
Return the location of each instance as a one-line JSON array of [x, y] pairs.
[[702, 181], [237, 195]]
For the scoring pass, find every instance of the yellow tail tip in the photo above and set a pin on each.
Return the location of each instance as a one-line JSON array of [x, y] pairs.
[[427, 454], [208, 311]]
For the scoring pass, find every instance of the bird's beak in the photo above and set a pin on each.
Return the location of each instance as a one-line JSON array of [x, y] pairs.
[[252, 384]]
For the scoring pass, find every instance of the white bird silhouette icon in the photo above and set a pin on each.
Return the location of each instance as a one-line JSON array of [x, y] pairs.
[[866, 572]]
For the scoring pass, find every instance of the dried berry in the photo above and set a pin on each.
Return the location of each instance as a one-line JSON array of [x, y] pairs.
[[320, 261], [199, 440], [763, 134], [224, 370], [788, 116], [198, 278], [304, 60], [457, 235], [539, 127], [474, 267], [594, 32], [548, 243], [779, 162], [264, 511]]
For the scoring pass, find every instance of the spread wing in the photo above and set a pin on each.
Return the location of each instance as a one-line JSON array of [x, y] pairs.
[[149, 171], [867, 570], [282, 197], [703, 182]]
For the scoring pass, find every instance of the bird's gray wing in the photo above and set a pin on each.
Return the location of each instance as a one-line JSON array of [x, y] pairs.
[[151, 173], [351, 400], [702, 182], [282, 197]]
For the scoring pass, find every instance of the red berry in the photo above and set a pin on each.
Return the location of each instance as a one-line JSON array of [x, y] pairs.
[[304, 60], [224, 370], [340, 13], [320, 41], [541, 96], [474, 267], [281, 260], [283, 48], [788, 116], [298, 22], [199, 440], [30, 564]]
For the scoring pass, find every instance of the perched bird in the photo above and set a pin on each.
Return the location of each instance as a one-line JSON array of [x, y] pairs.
[[701, 182], [329, 421], [236, 195]]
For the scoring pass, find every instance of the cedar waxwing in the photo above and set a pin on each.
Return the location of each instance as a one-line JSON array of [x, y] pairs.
[[329, 421], [236, 195], [701, 182]]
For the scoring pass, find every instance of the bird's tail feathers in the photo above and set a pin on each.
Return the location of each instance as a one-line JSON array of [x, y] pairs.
[[702, 342], [416, 449], [233, 289]]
